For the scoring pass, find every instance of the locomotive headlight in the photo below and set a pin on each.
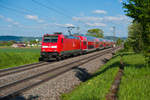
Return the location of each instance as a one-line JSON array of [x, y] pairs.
[[53, 46], [44, 46]]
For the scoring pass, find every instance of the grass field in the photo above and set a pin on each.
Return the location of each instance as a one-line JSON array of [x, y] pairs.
[[20, 50], [96, 87], [11, 57], [135, 83]]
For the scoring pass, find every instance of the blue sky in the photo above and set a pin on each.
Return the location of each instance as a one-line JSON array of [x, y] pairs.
[[37, 17]]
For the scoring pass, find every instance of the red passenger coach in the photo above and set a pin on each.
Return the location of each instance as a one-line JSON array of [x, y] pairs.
[[58, 46], [84, 46], [108, 43], [101, 43], [91, 43], [97, 43]]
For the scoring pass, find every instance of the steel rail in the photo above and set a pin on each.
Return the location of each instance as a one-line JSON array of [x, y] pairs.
[[66, 68], [13, 70]]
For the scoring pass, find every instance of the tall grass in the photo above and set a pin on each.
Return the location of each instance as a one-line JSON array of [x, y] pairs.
[[135, 83], [11, 57], [96, 87], [17, 50]]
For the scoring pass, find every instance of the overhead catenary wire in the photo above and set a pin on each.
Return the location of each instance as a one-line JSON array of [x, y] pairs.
[[13, 9], [24, 11], [60, 8], [64, 10], [55, 10], [21, 10], [52, 9], [27, 11]]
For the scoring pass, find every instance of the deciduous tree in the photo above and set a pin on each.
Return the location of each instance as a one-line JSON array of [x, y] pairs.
[[139, 10], [95, 33]]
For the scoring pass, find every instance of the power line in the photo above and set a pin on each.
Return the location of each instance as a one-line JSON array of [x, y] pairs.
[[60, 8], [27, 11], [21, 10], [53, 9], [12, 9]]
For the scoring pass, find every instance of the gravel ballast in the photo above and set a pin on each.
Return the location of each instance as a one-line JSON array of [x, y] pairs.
[[28, 73], [52, 89]]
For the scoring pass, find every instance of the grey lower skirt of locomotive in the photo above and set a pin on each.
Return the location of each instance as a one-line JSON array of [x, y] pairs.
[[46, 56]]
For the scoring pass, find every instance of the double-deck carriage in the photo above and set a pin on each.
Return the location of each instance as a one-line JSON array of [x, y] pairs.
[[58, 46], [107, 43], [97, 44], [91, 43], [84, 46], [101, 43]]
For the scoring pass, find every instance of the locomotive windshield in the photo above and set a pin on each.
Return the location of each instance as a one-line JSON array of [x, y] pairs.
[[51, 39]]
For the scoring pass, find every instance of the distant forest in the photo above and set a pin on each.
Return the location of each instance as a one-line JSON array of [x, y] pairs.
[[20, 38]]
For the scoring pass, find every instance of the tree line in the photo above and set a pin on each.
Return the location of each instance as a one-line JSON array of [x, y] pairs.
[[139, 30]]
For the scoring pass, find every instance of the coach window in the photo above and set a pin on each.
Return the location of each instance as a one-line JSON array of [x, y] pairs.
[[51, 39], [84, 42]]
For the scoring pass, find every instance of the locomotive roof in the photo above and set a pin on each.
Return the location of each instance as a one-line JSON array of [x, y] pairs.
[[101, 39], [75, 37], [66, 36], [71, 37]]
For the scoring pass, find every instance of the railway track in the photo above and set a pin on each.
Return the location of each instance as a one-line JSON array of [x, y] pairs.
[[19, 75], [19, 86], [5, 72], [14, 70]]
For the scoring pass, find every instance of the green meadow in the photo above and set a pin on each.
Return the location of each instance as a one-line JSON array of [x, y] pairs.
[[98, 85], [135, 83], [12, 57]]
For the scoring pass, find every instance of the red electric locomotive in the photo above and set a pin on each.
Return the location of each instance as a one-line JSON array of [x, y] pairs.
[[58, 46]]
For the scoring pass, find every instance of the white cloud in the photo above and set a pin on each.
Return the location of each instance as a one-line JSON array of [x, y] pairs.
[[67, 25], [98, 19], [1, 16], [15, 23], [111, 29], [81, 14], [9, 25], [116, 18], [112, 18], [34, 17], [63, 25], [99, 12], [85, 19], [102, 21], [9, 20], [40, 21], [59, 25], [96, 24], [121, 1]]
